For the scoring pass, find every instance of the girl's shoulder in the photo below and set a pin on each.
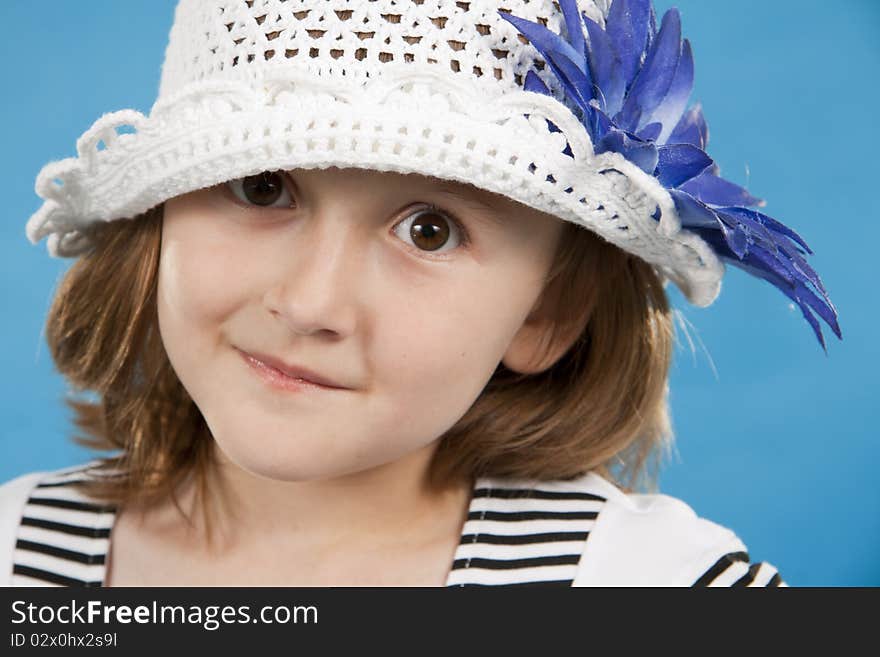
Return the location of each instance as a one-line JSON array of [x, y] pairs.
[[15, 492], [45, 517], [628, 539], [659, 540]]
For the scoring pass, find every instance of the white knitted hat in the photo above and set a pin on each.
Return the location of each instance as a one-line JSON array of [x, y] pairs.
[[424, 86]]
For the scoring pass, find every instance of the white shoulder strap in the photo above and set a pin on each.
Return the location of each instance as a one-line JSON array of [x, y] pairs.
[[649, 540], [13, 496]]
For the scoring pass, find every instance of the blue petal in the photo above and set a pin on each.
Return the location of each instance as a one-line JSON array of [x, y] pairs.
[[736, 237], [598, 124], [573, 26], [652, 28], [817, 330], [762, 264], [627, 25], [579, 87], [717, 191], [535, 83], [759, 263], [823, 306], [692, 213], [679, 163], [798, 297], [778, 242], [691, 129], [801, 265], [777, 257], [563, 60], [805, 297], [641, 153], [650, 132], [826, 311], [655, 76], [605, 68], [674, 103], [796, 287], [806, 272], [772, 224], [754, 229], [545, 40]]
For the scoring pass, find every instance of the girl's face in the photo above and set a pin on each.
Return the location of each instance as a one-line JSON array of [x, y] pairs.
[[405, 291]]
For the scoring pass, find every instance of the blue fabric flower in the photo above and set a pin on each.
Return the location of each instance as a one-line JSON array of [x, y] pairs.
[[629, 84]]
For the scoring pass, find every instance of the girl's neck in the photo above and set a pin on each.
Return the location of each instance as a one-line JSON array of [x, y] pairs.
[[390, 504], [376, 528]]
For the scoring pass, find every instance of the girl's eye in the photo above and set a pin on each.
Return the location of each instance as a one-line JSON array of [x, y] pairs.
[[266, 189], [428, 229]]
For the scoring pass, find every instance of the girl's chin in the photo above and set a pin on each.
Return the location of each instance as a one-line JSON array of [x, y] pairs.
[[292, 468]]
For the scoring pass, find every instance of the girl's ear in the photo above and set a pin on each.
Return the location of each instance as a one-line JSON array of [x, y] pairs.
[[547, 333]]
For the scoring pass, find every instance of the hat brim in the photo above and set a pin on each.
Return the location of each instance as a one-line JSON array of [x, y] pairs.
[[217, 132]]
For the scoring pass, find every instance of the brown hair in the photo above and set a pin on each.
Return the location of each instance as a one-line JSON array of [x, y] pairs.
[[601, 406]]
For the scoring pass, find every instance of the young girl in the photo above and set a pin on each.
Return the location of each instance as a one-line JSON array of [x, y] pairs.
[[375, 296]]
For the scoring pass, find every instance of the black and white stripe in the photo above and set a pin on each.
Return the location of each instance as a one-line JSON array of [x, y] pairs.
[[523, 535], [517, 534], [734, 570], [63, 537]]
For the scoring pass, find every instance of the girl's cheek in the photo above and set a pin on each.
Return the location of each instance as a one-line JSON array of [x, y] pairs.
[[197, 282]]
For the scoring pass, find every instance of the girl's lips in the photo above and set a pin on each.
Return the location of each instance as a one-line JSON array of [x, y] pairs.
[[293, 370], [277, 378]]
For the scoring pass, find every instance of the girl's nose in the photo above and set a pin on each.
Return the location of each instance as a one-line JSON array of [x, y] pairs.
[[316, 287]]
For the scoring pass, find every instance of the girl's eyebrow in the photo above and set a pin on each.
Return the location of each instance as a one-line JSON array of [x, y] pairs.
[[474, 203]]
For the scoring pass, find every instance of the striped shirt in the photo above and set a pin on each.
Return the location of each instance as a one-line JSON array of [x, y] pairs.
[[580, 532]]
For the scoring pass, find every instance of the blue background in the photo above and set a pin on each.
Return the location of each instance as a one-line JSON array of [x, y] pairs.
[[774, 439]]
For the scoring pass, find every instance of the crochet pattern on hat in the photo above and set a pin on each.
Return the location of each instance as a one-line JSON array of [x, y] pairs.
[[433, 88]]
